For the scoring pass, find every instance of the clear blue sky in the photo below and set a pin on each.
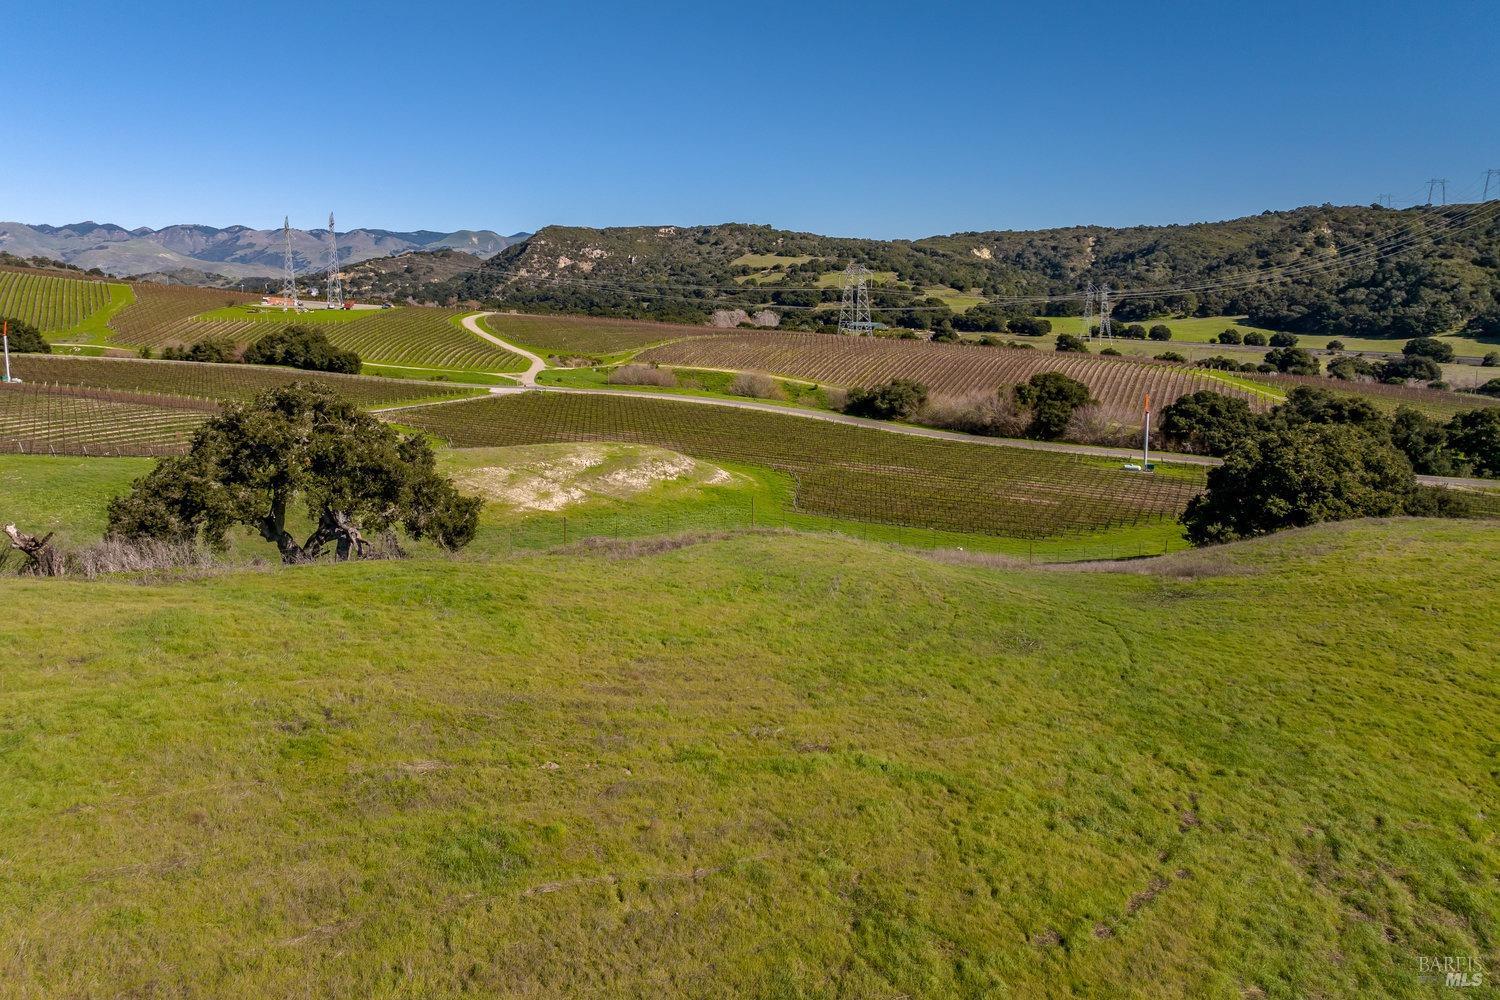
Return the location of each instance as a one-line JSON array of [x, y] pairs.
[[876, 119]]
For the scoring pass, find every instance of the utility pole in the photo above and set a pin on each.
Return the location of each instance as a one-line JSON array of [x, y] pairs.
[[1384, 199], [1146, 448], [1489, 175], [1437, 183], [5, 339], [854, 312], [1106, 325], [1090, 293], [335, 283], [289, 282]]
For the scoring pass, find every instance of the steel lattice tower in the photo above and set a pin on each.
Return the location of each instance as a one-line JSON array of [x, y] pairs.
[[1437, 183], [1488, 176], [335, 283], [1090, 293], [289, 284], [1106, 325], [854, 313]]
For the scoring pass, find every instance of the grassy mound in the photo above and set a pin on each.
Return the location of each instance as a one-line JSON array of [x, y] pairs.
[[768, 766]]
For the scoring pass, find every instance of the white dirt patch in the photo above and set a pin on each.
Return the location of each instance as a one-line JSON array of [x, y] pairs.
[[552, 477]]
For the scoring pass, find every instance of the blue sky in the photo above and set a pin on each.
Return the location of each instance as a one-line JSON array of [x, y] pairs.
[[877, 119]]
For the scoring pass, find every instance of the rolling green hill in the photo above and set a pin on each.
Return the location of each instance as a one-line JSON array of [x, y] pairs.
[[767, 766]]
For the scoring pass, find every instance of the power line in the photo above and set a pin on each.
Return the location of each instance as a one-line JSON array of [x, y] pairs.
[[1488, 176], [289, 283], [1437, 182], [854, 312], [335, 283]]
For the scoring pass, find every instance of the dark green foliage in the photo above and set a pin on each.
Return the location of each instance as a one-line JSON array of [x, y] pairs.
[[1131, 331], [1029, 326], [1474, 436], [1206, 422], [1068, 342], [1281, 340], [1110, 352], [214, 350], [1170, 356], [1423, 441], [895, 400], [302, 347], [1293, 476], [1230, 336], [1308, 405], [1351, 368], [1491, 360], [1485, 326], [1292, 361], [1254, 338], [1160, 332], [1490, 388], [1051, 397], [1220, 362], [1335, 345], [1428, 347], [249, 465], [25, 338], [1408, 368]]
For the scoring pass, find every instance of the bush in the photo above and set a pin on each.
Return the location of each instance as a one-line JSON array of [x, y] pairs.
[[756, 386], [1292, 361], [1160, 332], [1289, 477], [214, 350], [1335, 345], [1490, 360], [1170, 356], [1110, 352], [1415, 367], [1229, 336], [1281, 340], [994, 414], [642, 375], [895, 400], [1490, 388], [1051, 398], [1350, 369], [1207, 422], [1255, 338], [1428, 347], [1132, 331], [1474, 436], [25, 338], [1029, 326], [302, 347], [1069, 342]]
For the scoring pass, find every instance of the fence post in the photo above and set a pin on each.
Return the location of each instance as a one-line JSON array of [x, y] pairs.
[[565, 529], [752, 513]]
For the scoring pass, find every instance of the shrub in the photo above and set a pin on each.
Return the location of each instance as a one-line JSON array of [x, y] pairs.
[[1292, 361], [757, 386], [1160, 332], [1207, 422], [302, 347], [1423, 441], [1428, 347], [1490, 388], [1029, 326], [1229, 336], [1170, 356], [1051, 398], [1490, 360], [214, 350], [1335, 345], [1069, 342], [1282, 340], [25, 338], [1415, 367], [895, 400], [642, 375], [994, 414], [1132, 331], [1475, 437], [1110, 352], [1350, 369], [1288, 477], [1255, 338]]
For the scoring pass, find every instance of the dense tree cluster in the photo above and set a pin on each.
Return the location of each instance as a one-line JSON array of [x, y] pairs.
[[25, 338], [302, 347]]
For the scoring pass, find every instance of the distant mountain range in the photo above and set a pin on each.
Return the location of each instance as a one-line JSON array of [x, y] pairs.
[[234, 253]]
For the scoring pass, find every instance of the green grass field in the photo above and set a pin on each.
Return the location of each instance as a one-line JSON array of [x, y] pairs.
[[769, 766], [256, 312], [64, 309], [690, 382]]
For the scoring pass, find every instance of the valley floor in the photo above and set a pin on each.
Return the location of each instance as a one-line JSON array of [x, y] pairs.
[[765, 765]]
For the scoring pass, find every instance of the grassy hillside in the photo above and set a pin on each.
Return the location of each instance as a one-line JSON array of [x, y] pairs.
[[62, 308], [771, 766]]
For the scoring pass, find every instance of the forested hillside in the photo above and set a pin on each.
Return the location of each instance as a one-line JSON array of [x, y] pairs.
[[1355, 271]]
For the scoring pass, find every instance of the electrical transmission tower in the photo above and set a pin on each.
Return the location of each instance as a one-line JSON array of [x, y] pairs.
[[1090, 296], [335, 283], [1106, 325], [289, 283], [1437, 184], [1489, 175], [854, 314]]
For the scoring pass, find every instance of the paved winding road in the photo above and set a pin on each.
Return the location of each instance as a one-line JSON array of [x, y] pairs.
[[528, 382]]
